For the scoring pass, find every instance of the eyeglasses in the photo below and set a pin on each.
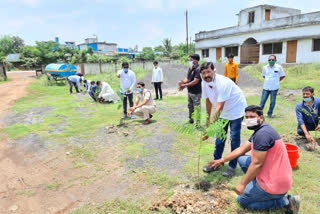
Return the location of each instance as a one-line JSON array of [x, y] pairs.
[[271, 60]]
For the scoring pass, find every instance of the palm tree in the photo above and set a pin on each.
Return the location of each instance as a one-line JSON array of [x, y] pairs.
[[167, 46]]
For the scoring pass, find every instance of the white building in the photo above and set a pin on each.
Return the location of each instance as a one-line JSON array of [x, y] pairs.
[[264, 30]]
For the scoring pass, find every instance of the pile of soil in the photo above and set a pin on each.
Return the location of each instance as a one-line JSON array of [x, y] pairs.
[[189, 201]]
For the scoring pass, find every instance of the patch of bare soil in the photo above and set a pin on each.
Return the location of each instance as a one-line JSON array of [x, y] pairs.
[[188, 201]]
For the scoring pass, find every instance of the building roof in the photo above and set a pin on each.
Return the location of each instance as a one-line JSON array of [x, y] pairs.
[[13, 57], [268, 6], [105, 43]]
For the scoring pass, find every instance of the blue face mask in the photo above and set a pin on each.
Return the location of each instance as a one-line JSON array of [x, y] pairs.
[[126, 70], [307, 99], [139, 90]]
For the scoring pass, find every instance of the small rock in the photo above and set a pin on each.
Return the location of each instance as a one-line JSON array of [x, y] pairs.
[[125, 133], [67, 153], [13, 208]]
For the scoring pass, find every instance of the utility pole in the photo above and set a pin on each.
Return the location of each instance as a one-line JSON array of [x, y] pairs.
[[98, 53], [187, 29]]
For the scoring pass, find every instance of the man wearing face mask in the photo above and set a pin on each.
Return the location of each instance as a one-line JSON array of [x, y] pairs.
[[308, 113], [268, 173], [231, 69], [272, 74], [157, 79], [229, 103], [147, 106], [127, 82], [193, 83]]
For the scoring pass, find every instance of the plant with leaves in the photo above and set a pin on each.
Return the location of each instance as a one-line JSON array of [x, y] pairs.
[[167, 46], [215, 129]]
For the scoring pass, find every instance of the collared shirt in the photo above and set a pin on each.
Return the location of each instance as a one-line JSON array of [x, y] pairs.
[[75, 79], [127, 81], [157, 75], [272, 77], [231, 70], [275, 176], [87, 85], [308, 116], [146, 95], [222, 89], [194, 72]]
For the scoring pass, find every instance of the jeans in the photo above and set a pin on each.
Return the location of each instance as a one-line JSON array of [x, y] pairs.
[[264, 98], [157, 87], [235, 133], [193, 100], [130, 96], [254, 197], [91, 95], [71, 84]]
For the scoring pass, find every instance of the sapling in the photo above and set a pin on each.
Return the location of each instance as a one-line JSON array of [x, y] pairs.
[[215, 129]]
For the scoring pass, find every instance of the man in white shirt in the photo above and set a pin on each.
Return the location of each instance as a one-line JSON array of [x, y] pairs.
[[127, 82], [272, 74], [147, 106], [157, 79], [106, 93], [229, 103]]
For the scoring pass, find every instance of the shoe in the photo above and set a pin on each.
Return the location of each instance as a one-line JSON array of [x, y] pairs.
[[132, 116], [191, 121], [124, 116], [208, 169], [146, 122], [270, 116], [150, 116], [160, 98], [294, 204], [155, 99], [229, 172]]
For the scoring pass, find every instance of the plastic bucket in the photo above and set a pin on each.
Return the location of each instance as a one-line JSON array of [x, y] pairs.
[[293, 153]]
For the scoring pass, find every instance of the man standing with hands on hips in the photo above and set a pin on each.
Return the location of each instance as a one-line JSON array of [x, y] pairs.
[[272, 74], [127, 82]]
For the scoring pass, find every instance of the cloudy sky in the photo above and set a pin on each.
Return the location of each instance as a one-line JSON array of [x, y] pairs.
[[128, 23]]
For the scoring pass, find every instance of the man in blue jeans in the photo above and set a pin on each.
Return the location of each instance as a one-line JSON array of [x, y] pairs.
[[272, 74], [229, 102], [268, 173]]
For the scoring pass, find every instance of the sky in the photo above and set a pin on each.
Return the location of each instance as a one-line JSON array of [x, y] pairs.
[[128, 23]]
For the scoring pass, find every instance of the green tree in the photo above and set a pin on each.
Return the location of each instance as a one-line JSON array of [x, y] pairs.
[[148, 54], [6, 45], [158, 48], [90, 51], [167, 46], [18, 44]]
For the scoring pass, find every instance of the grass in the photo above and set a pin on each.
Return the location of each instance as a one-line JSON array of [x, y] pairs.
[[297, 77]]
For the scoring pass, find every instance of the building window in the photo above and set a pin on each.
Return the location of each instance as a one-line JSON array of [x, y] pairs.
[[205, 53], [316, 45], [233, 50], [272, 48], [251, 17]]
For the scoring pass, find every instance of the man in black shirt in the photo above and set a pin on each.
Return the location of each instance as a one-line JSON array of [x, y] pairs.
[[193, 83]]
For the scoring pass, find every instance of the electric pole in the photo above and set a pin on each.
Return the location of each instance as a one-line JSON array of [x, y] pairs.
[[187, 30]]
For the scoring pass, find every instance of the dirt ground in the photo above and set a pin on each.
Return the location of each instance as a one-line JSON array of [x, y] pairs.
[[49, 183]]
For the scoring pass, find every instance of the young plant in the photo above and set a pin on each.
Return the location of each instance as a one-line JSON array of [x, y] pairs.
[[215, 129]]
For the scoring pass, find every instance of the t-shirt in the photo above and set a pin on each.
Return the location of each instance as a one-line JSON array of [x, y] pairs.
[[222, 89], [272, 77], [194, 72], [231, 70], [308, 116], [146, 95], [275, 176]]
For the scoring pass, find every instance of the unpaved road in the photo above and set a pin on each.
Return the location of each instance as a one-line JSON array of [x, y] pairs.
[[14, 89]]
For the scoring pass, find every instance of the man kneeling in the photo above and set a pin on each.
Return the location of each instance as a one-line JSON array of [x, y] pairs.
[[147, 106], [268, 174]]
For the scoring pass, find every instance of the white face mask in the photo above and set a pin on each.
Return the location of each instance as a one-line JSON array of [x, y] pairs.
[[191, 63], [252, 123]]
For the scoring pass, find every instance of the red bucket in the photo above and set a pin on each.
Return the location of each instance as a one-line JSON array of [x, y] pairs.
[[293, 153]]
